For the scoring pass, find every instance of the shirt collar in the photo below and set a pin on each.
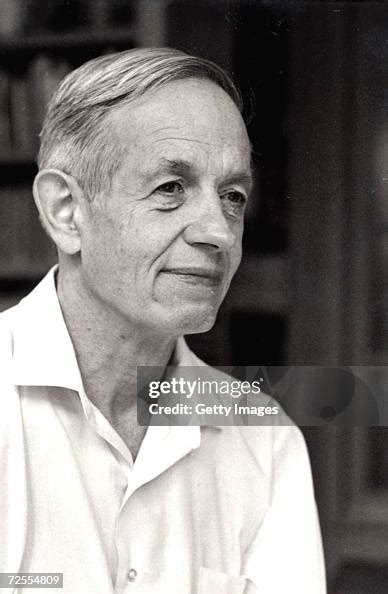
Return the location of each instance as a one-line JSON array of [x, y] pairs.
[[43, 354]]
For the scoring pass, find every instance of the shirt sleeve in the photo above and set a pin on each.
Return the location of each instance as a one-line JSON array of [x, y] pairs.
[[285, 555]]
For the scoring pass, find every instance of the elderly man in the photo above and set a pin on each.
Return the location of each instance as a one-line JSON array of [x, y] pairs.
[[144, 173]]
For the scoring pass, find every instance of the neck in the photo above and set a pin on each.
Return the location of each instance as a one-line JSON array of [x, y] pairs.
[[108, 347]]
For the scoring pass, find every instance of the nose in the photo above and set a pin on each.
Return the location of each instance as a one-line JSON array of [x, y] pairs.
[[210, 227]]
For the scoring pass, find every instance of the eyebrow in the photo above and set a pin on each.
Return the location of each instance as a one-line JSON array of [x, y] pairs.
[[185, 168], [176, 166], [246, 179]]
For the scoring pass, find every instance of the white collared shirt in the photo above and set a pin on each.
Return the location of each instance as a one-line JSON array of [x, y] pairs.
[[208, 510]]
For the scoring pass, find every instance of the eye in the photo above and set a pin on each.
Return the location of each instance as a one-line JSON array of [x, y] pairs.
[[169, 196], [170, 188], [235, 197], [233, 204]]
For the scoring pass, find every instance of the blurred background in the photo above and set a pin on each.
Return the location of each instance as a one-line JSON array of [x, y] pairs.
[[313, 285]]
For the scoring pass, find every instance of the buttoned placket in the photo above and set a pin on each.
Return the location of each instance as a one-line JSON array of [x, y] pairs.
[[161, 448], [169, 447], [130, 572]]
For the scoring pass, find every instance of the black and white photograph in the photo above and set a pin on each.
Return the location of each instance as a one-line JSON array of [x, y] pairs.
[[193, 297]]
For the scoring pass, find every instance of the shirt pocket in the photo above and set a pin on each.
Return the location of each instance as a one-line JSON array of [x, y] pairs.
[[216, 582]]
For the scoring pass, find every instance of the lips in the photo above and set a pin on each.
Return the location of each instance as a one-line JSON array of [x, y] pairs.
[[196, 274]]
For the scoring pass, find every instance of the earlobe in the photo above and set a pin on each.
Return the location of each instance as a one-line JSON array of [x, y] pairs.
[[58, 198]]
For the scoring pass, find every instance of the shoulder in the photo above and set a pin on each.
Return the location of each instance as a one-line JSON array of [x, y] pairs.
[[266, 443], [11, 320], [10, 413], [263, 431], [8, 322]]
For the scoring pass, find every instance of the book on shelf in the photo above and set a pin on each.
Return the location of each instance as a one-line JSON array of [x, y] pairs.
[[5, 130], [11, 15], [44, 75], [20, 116], [23, 104]]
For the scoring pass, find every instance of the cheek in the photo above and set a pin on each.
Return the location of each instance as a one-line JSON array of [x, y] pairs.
[[236, 252], [140, 248], [103, 252]]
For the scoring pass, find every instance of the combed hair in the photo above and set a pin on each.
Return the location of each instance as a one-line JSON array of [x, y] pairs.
[[74, 137]]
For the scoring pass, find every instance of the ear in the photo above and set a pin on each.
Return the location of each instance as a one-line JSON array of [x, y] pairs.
[[58, 198]]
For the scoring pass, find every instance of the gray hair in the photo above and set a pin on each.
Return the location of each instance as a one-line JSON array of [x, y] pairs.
[[75, 138]]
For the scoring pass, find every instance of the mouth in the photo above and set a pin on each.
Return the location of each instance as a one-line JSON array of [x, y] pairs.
[[196, 274]]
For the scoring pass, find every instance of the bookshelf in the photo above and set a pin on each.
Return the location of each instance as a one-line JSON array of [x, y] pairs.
[[314, 276], [40, 43]]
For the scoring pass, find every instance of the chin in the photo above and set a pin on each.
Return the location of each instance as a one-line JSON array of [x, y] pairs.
[[202, 321], [190, 320], [199, 328]]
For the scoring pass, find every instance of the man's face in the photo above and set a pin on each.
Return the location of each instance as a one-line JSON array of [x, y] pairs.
[[161, 248]]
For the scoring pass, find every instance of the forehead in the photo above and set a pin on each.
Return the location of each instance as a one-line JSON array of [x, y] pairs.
[[193, 119]]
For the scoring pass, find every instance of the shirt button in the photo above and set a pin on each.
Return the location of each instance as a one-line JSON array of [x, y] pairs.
[[132, 575]]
